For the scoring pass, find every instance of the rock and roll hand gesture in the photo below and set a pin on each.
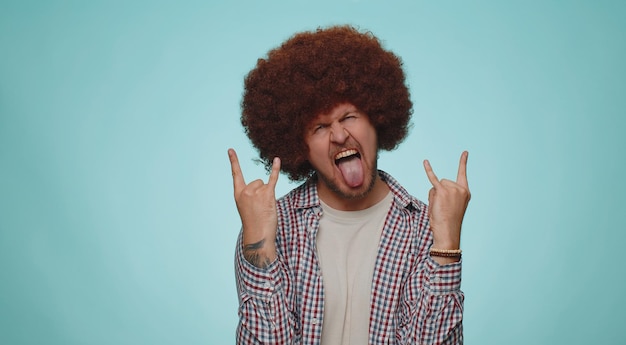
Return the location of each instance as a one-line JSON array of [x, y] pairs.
[[447, 204], [256, 204]]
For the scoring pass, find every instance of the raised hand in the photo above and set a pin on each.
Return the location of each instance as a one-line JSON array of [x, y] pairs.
[[256, 203], [447, 204]]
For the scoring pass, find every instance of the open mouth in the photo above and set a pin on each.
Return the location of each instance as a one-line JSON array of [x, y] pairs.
[[346, 155], [349, 163]]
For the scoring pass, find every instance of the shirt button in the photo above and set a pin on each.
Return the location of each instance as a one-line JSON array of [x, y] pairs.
[[436, 279], [267, 285], [314, 321]]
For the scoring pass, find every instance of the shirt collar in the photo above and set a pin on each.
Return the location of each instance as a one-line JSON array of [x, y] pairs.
[[306, 194]]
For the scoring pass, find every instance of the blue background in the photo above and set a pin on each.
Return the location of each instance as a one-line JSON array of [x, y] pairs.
[[117, 223]]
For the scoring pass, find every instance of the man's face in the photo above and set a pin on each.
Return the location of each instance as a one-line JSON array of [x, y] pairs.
[[343, 150]]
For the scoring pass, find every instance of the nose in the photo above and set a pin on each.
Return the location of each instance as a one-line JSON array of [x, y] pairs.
[[338, 133]]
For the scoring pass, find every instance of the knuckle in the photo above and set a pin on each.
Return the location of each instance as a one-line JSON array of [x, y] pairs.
[[247, 193]]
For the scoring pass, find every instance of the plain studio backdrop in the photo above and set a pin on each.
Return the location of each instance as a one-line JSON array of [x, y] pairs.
[[117, 221]]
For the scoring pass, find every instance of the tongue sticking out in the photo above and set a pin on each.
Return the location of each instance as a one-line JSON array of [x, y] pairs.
[[351, 170]]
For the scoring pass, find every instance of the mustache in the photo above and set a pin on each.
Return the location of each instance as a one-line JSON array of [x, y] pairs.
[[346, 146]]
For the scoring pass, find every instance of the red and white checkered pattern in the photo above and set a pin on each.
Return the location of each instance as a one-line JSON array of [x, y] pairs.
[[414, 300]]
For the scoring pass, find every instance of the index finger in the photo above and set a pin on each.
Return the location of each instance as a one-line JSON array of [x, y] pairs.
[[461, 177], [431, 174], [238, 181]]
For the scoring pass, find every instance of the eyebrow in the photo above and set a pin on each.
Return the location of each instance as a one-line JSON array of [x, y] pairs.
[[351, 111]]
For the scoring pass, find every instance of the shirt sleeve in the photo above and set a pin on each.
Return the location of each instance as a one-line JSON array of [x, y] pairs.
[[264, 316], [442, 303]]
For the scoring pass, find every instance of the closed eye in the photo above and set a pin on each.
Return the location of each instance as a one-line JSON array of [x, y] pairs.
[[349, 118], [319, 127]]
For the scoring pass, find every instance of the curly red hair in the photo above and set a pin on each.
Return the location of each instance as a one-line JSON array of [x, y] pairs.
[[308, 75]]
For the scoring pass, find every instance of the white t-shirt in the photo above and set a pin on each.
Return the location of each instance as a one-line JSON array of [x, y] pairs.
[[347, 246]]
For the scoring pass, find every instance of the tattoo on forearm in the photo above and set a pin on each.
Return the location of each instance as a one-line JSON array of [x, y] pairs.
[[251, 252]]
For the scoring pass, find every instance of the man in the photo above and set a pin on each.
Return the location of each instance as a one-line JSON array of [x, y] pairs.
[[348, 257]]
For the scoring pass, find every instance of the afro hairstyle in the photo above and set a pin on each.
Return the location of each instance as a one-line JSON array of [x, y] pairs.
[[311, 73]]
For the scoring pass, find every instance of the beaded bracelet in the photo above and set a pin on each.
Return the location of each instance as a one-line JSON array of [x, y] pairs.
[[446, 253]]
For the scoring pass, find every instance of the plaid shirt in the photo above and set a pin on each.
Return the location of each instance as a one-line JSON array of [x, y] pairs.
[[414, 300]]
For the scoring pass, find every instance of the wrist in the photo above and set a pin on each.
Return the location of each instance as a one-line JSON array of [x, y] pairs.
[[446, 244], [261, 253], [446, 236]]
